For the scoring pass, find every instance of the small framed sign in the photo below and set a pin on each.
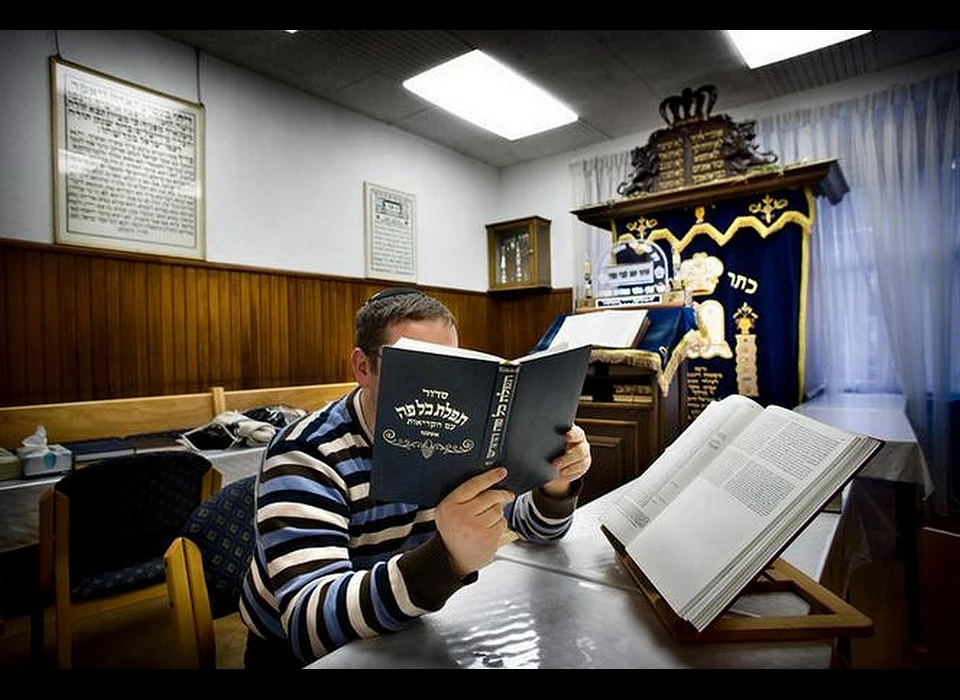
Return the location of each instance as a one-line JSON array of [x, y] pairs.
[[390, 220]]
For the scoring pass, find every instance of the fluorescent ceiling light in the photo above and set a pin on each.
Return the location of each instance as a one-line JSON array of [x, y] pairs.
[[490, 95], [758, 47]]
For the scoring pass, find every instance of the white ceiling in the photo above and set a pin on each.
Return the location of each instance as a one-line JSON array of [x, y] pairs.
[[614, 79]]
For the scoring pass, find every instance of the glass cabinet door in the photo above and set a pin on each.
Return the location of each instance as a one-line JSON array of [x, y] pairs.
[[518, 250]]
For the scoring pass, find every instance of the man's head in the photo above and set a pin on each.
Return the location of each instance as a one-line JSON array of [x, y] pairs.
[[384, 318]]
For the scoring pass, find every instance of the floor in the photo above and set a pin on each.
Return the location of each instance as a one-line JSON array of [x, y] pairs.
[[136, 638]]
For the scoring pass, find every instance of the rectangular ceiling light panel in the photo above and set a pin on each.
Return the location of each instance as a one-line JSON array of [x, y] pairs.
[[759, 47], [483, 91]]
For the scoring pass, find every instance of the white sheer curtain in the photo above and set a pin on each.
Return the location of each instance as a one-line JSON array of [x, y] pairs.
[[884, 307], [594, 181], [885, 287]]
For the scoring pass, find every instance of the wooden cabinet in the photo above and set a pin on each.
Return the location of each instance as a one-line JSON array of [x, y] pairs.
[[519, 253], [628, 434]]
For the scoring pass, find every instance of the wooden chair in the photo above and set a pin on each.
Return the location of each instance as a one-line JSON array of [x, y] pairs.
[[205, 568], [104, 529]]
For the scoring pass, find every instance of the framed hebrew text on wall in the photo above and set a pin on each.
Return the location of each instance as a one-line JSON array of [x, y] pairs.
[[128, 165], [390, 219]]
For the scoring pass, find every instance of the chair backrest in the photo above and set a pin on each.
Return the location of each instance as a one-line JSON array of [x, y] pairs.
[[205, 566], [129, 508], [222, 529]]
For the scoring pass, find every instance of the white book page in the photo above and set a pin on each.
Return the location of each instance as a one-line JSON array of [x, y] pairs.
[[679, 464], [740, 497], [606, 329], [405, 343]]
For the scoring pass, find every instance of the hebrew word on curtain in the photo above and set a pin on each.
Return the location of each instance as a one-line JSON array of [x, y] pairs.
[[744, 262]]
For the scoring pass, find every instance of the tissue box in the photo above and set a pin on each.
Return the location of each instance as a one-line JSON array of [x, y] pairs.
[[10, 466], [57, 460]]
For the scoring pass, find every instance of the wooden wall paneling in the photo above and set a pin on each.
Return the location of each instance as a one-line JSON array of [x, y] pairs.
[[293, 291], [135, 340], [266, 354], [66, 292], [269, 342], [219, 326], [33, 329], [341, 315], [191, 353], [233, 348], [280, 329], [518, 320], [336, 323], [214, 328], [51, 326], [303, 336], [84, 342], [100, 337], [90, 325], [15, 389], [248, 304], [176, 333], [471, 314], [202, 316], [112, 333], [158, 340], [328, 322]]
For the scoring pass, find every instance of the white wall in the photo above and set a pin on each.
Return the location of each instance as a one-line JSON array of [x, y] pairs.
[[285, 171]]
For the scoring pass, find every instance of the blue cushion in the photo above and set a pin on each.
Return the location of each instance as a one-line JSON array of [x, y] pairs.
[[222, 528]]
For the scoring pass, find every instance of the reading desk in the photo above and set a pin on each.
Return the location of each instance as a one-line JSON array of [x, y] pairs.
[[569, 605]]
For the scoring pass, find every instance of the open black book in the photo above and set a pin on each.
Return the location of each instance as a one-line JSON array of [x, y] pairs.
[[726, 497], [445, 414]]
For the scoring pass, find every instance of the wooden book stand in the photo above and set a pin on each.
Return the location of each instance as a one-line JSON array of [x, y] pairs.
[[829, 615]]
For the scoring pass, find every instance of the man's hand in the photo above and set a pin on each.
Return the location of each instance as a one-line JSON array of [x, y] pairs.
[[571, 465], [470, 521]]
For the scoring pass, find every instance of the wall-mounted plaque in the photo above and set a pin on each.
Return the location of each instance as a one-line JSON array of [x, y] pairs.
[[390, 218], [128, 165]]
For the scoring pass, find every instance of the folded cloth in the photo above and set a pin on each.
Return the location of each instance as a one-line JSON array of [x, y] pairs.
[[229, 429], [278, 416]]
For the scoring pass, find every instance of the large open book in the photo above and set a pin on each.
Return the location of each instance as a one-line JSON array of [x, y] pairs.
[[445, 414], [609, 328], [726, 497]]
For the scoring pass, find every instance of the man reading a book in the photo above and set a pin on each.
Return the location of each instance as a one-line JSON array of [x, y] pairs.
[[331, 565]]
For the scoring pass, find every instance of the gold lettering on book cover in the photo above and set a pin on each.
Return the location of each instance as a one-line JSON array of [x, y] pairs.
[[499, 414], [429, 418], [427, 447]]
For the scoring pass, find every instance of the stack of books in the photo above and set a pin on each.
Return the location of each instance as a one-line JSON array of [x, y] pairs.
[[88, 451]]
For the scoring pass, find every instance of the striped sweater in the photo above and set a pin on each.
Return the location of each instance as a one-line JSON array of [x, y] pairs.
[[330, 565]]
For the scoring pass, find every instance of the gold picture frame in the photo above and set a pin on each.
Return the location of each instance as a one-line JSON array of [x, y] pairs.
[[128, 165]]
